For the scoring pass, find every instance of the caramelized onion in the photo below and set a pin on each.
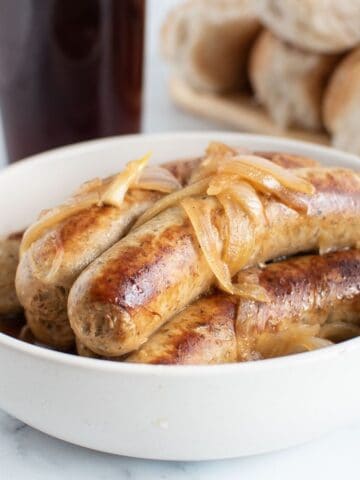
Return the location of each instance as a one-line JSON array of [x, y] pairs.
[[57, 260], [226, 173], [310, 343], [339, 331], [265, 183], [199, 213], [295, 201], [55, 216], [258, 165], [234, 179], [295, 339], [252, 291], [214, 155], [245, 195], [56, 264], [221, 182], [239, 238], [115, 193], [159, 179], [248, 286], [110, 191], [238, 247], [219, 150], [172, 199]]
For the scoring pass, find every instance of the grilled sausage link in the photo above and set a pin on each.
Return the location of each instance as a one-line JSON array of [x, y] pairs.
[[203, 333], [70, 246], [309, 290], [183, 169], [159, 268], [9, 258]]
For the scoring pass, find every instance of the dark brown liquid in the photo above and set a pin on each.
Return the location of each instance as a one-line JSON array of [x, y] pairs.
[[12, 324], [70, 70]]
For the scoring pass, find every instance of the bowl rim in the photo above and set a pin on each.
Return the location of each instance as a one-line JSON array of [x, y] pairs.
[[139, 369], [42, 353], [106, 142]]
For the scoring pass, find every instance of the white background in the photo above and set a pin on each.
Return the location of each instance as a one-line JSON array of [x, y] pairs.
[[28, 454]]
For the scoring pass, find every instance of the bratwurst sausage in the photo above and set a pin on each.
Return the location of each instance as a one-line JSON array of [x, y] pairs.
[[202, 334], [159, 268], [9, 259], [221, 328], [49, 267]]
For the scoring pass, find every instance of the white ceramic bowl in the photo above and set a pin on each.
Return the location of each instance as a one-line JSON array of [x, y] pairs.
[[166, 412]]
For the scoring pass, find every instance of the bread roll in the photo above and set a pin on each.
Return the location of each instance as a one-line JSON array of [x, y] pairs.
[[342, 104], [207, 42], [325, 26], [289, 82]]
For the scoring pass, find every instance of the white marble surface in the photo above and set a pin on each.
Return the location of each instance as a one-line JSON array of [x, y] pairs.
[[28, 454]]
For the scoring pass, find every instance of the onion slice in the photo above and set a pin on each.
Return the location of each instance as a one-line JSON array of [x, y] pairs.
[[339, 331], [158, 179], [115, 193], [110, 191], [172, 199], [237, 249], [239, 238], [240, 192], [199, 213], [252, 291], [265, 183], [219, 150], [295, 339], [221, 182], [55, 265], [286, 177], [245, 195], [215, 153], [54, 216]]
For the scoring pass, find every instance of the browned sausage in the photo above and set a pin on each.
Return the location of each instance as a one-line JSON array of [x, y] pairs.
[[83, 351], [309, 290], [182, 171], [79, 240], [159, 268], [9, 258], [203, 333], [51, 264]]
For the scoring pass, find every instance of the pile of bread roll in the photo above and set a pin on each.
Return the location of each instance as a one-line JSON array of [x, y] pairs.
[[300, 57]]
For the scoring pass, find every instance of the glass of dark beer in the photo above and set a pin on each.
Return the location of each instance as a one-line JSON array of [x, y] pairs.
[[70, 70]]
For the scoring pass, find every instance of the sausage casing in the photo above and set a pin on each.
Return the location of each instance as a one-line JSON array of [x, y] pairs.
[[9, 258], [51, 264], [158, 269], [220, 328]]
